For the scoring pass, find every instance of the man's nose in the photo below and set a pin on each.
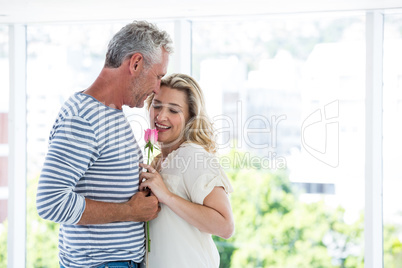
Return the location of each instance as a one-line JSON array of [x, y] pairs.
[[158, 87]]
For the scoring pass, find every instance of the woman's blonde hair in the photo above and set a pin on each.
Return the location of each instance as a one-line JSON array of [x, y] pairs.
[[198, 129]]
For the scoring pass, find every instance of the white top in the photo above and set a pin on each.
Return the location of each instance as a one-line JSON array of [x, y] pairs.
[[191, 173]]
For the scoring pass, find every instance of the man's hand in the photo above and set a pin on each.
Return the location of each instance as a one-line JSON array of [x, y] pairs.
[[143, 207], [140, 207]]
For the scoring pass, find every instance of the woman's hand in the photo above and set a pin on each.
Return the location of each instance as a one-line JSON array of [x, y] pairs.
[[214, 216], [153, 180]]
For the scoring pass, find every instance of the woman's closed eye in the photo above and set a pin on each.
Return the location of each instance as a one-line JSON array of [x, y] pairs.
[[156, 106], [174, 111]]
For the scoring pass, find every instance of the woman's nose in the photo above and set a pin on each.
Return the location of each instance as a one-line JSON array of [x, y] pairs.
[[161, 115]]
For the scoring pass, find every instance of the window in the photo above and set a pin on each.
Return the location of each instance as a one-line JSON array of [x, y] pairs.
[[287, 96], [392, 144], [62, 60]]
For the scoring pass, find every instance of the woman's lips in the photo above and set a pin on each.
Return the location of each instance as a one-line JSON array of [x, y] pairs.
[[161, 127]]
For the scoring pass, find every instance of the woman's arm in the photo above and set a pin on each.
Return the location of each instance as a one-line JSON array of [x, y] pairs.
[[214, 216]]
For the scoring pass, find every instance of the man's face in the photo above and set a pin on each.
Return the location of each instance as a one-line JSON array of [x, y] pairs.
[[149, 81]]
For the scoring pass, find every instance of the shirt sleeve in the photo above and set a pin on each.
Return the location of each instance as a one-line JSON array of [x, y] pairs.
[[72, 150], [203, 174]]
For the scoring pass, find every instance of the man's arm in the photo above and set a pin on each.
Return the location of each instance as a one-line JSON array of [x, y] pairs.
[[139, 208]]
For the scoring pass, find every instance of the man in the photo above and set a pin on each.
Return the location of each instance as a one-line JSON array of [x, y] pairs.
[[89, 181]]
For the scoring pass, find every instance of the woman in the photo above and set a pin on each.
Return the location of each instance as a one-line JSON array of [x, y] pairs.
[[186, 178]]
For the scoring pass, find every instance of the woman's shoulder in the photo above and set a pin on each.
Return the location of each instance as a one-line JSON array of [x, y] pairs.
[[198, 159], [186, 154], [191, 149]]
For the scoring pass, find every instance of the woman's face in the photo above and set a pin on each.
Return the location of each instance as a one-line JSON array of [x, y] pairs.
[[169, 113]]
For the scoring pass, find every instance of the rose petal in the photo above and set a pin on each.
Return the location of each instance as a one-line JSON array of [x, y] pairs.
[[147, 135]]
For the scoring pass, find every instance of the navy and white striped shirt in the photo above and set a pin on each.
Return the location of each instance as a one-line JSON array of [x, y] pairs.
[[92, 154]]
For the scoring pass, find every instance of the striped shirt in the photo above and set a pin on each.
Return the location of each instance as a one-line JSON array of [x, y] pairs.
[[92, 154]]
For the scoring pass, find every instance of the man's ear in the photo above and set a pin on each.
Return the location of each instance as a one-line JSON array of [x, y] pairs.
[[136, 63]]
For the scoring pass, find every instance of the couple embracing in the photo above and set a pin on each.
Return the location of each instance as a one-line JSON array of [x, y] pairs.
[[95, 184]]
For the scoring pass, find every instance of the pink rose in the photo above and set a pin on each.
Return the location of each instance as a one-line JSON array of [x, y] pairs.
[[151, 135]]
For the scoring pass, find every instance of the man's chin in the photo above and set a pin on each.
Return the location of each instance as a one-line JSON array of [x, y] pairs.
[[139, 105]]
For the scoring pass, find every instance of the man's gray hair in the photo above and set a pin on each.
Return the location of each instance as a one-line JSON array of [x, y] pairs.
[[138, 37]]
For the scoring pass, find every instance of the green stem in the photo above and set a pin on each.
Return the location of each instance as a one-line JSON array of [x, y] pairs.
[[149, 153], [148, 239]]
